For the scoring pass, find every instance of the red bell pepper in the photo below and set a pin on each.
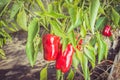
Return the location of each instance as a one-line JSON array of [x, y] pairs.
[[64, 59], [50, 46], [107, 31]]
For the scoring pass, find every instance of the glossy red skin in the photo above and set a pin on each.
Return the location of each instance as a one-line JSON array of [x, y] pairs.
[[107, 31], [50, 46], [64, 60]]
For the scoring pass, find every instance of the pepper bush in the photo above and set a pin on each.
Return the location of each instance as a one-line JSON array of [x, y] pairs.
[[80, 23]]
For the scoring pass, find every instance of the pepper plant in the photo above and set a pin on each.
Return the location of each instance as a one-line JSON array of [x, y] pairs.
[[70, 32]]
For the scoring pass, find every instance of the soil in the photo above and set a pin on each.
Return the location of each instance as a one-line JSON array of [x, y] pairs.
[[17, 67]]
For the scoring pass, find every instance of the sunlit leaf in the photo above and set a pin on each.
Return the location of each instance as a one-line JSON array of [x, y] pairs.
[[75, 61], [75, 16], [93, 41], [56, 28], [40, 3], [73, 12], [71, 37], [32, 41], [70, 75], [22, 19], [87, 22], [30, 52], [90, 53], [43, 74], [83, 31], [14, 26], [55, 15], [102, 48], [2, 54], [1, 42], [101, 10], [100, 23], [3, 3], [5, 35], [64, 43], [15, 8], [7, 26], [33, 29], [115, 16], [105, 48], [95, 4], [59, 73], [37, 42], [50, 7], [84, 62]]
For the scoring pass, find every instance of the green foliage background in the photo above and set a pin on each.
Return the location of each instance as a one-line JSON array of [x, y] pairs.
[[64, 18]]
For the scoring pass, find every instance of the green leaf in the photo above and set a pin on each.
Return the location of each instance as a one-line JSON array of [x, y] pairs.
[[106, 49], [102, 48], [43, 74], [2, 54], [56, 28], [115, 16], [70, 75], [75, 61], [22, 19], [1, 42], [59, 73], [51, 13], [71, 37], [37, 42], [95, 4], [30, 52], [100, 23], [84, 68], [50, 7], [93, 41], [72, 12], [83, 31], [40, 3], [65, 42], [33, 29], [55, 15], [87, 22], [75, 16], [84, 62], [90, 53], [15, 8], [7, 27], [5, 34], [101, 10], [79, 55], [32, 41], [3, 3], [14, 26]]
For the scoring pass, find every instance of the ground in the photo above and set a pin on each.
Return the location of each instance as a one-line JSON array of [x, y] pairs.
[[17, 67]]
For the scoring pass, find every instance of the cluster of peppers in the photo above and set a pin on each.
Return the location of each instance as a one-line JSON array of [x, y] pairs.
[[53, 51]]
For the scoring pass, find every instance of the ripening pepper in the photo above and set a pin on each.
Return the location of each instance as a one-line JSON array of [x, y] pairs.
[[107, 31], [64, 59], [79, 44], [50, 46]]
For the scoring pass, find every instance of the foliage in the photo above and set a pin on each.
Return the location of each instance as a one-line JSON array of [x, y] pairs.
[[64, 18]]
